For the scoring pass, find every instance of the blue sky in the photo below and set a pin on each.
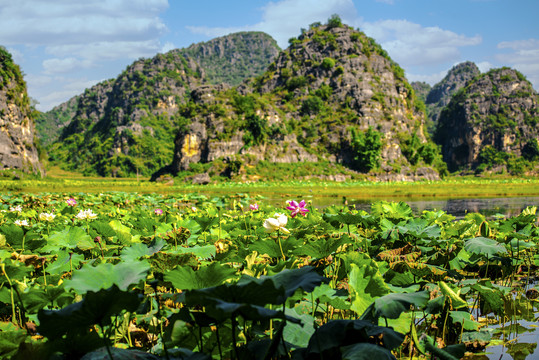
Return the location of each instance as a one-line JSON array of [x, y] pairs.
[[65, 46]]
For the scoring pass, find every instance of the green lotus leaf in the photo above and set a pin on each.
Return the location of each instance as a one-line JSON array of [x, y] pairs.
[[223, 310], [456, 301], [482, 336], [330, 337], [260, 291], [484, 246], [15, 270], [366, 284], [95, 308], [204, 252], [391, 306], [185, 278], [103, 229], [299, 334], [12, 337], [465, 319], [65, 262], [391, 210], [366, 351], [104, 275], [206, 222], [13, 235], [420, 229], [138, 250], [70, 237]]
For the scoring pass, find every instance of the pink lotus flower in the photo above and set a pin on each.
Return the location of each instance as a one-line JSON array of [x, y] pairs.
[[71, 202], [158, 212], [297, 208], [253, 207]]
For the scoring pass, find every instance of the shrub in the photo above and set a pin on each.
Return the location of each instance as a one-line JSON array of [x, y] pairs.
[[312, 105], [367, 149], [530, 151], [334, 21], [328, 63]]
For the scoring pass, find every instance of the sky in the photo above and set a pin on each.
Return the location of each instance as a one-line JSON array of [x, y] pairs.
[[66, 46]]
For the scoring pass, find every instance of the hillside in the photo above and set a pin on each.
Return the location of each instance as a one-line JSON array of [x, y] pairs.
[[233, 58], [125, 126], [492, 121], [333, 95], [49, 124], [17, 143]]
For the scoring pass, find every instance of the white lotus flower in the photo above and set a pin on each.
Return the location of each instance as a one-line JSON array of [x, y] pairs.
[[276, 223], [46, 216], [22, 222], [86, 214]]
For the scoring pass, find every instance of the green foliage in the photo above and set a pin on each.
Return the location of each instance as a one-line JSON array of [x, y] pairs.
[[334, 21], [328, 63], [396, 274], [367, 149], [312, 105], [324, 92], [296, 82], [258, 127], [490, 156], [530, 150], [416, 151]]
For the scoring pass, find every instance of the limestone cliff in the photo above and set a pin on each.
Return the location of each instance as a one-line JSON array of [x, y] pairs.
[[496, 112], [126, 125], [17, 145], [440, 94], [330, 80]]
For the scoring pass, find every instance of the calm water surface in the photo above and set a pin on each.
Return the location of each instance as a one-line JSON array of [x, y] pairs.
[[460, 207]]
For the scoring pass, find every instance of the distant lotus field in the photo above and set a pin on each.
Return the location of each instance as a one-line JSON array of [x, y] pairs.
[[124, 275]]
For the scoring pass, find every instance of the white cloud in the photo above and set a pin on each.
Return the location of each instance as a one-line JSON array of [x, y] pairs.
[[523, 55], [66, 65], [108, 50], [63, 89], [167, 47], [429, 78], [284, 19], [58, 23], [485, 66], [411, 44]]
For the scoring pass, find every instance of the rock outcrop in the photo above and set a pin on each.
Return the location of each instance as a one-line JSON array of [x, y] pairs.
[[497, 110], [331, 78], [17, 144], [127, 125], [437, 97]]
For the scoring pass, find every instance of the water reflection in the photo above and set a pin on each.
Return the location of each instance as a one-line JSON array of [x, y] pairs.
[[460, 207]]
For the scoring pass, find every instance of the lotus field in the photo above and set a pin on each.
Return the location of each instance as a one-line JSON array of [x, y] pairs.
[[130, 276]]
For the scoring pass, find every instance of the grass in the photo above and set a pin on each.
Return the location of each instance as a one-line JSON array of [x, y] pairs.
[[453, 187]]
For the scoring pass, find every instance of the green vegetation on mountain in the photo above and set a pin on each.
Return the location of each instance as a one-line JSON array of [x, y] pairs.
[[333, 95], [50, 124], [126, 126], [233, 58], [491, 124]]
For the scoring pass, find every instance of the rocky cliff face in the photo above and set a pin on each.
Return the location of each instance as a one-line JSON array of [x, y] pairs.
[[17, 146], [126, 125], [441, 93], [497, 110], [332, 78]]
